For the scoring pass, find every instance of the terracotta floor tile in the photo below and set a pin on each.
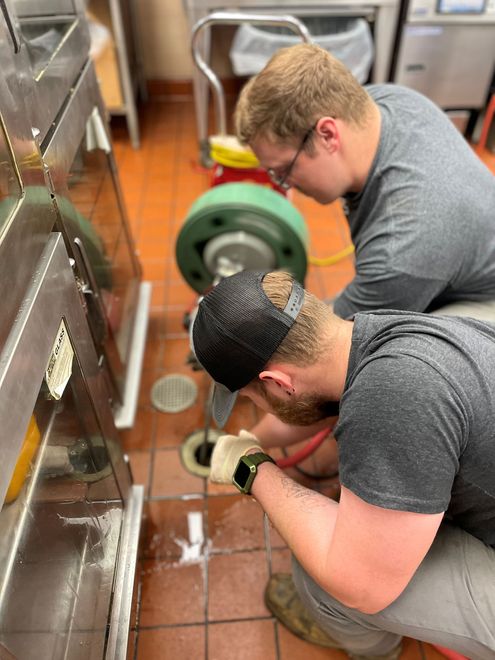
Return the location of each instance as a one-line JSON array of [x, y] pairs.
[[152, 354], [132, 193], [169, 524], [140, 436], [153, 270], [229, 576], [174, 318], [235, 522], [281, 560], [242, 640], [174, 429], [156, 326], [148, 379], [158, 295], [176, 352], [152, 250], [170, 478], [158, 189], [156, 214], [140, 467], [314, 284], [154, 230], [179, 293], [177, 643], [172, 593]]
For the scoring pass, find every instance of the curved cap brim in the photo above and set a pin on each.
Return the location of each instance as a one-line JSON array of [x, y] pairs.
[[222, 405]]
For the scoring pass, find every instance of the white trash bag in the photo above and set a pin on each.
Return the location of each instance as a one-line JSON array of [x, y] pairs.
[[348, 39]]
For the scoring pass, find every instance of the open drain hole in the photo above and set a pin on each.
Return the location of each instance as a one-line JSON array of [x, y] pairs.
[[194, 458], [203, 454]]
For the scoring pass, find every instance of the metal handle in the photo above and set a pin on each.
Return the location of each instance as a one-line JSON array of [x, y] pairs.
[[236, 18], [93, 290], [10, 26]]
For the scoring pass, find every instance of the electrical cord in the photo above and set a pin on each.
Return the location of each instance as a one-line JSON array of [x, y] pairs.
[[332, 259]]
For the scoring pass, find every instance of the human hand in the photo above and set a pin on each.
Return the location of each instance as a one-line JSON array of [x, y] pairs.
[[227, 452]]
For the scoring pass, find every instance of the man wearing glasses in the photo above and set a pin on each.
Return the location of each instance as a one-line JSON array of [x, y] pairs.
[[420, 204]]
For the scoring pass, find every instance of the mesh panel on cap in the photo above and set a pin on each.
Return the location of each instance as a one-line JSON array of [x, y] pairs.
[[237, 330]]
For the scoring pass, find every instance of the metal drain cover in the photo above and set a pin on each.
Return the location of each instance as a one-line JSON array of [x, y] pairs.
[[174, 393]]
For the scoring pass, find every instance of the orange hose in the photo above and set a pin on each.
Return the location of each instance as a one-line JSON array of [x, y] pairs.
[[452, 655], [307, 450]]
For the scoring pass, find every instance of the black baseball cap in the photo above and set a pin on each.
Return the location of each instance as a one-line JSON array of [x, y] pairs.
[[236, 330]]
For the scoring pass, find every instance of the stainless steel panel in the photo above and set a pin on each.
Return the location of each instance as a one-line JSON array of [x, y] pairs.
[[94, 223], [427, 11], [25, 8], [52, 295], [26, 210], [451, 64], [60, 528], [55, 37]]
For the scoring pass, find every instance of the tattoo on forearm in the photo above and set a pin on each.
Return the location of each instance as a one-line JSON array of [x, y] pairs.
[[307, 496]]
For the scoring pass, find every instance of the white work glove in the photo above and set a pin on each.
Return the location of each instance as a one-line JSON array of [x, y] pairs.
[[227, 452]]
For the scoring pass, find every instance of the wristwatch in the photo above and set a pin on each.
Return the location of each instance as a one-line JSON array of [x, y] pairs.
[[247, 469]]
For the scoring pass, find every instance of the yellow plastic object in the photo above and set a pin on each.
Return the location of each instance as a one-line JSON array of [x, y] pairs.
[[228, 151], [28, 450], [333, 259]]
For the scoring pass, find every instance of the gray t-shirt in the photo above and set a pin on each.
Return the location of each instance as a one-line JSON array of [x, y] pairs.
[[416, 430], [424, 224]]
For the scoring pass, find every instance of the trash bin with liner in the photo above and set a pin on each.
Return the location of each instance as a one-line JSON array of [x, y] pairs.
[[347, 38]]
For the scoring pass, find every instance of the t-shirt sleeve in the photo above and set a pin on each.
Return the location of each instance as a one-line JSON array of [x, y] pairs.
[[401, 431], [389, 290]]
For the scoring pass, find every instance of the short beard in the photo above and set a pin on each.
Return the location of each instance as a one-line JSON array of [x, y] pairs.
[[302, 411]]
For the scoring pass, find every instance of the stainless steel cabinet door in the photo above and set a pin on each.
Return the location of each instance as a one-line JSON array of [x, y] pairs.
[[26, 210], [55, 36], [64, 482], [92, 216], [451, 64]]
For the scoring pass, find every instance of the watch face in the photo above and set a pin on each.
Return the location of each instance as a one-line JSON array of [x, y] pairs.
[[241, 474]]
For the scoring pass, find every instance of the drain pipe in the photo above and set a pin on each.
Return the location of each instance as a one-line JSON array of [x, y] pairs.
[[203, 450]]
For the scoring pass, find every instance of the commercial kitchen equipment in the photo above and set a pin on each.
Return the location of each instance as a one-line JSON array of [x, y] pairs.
[[446, 50], [47, 49], [69, 514], [91, 215]]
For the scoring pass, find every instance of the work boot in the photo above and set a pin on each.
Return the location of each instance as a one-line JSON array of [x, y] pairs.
[[283, 601]]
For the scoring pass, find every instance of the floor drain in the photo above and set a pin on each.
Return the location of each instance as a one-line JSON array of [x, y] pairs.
[[174, 393], [191, 450]]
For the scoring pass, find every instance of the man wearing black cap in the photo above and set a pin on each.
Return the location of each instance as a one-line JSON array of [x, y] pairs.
[[409, 549]]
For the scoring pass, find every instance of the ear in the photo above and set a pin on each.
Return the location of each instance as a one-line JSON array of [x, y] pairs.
[[280, 379], [327, 130]]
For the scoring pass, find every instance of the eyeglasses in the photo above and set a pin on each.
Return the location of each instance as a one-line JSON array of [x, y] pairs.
[[281, 180]]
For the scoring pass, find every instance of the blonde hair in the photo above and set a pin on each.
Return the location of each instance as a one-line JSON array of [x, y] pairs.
[[305, 341], [299, 85]]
